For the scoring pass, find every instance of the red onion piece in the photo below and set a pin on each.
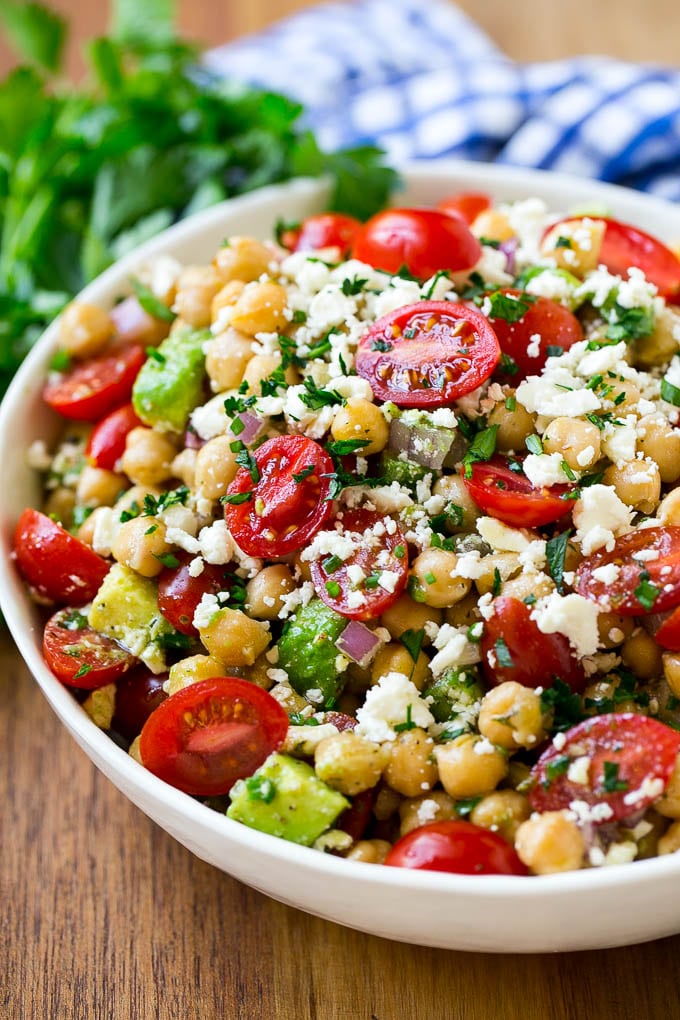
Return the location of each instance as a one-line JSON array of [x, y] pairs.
[[509, 249], [192, 440], [135, 326], [430, 446], [252, 426], [358, 642]]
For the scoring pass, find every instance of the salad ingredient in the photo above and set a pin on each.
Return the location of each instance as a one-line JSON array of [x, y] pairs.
[[138, 694], [545, 328], [421, 241], [428, 354], [170, 383], [308, 653], [90, 390], [207, 736], [458, 847], [106, 444], [80, 656], [499, 489], [58, 567], [359, 643], [324, 230], [646, 577], [466, 204], [180, 592]]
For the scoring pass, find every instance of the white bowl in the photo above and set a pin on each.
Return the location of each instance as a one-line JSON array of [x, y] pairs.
[[580, 910]]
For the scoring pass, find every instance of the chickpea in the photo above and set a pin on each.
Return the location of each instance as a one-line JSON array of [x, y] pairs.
[[614, 629], [411, 767], [662, 343], [433, 579], [84, 329], [141, 545], [395, 658], [505, 565], [550, 843], [369, 851], [627, 394], [227, 358], [465, 771], [216, 467], [265, 591], [233, 638], [87, 528], [637, 483], [192, 670], [577, 440], [97, 487], [386, 803], [669, 843], [642, 655], [184, 466], [464, 613], [258, 673], [511, 716], [134, 751], [492, 224], [260, 309], [60, 503], [581, 254], [100, 705], [513, 426], [148, 456], [669, 804], [603, 691], [242, 258], [405, 614], [524, 585], [668, 510], [260, 367], [453, 489], [519, 775], [661, 443], [197, 286], [349, 763], [360, 419], [502, 811], [435, 806], [671, 671], [226, 297], [288, 698]]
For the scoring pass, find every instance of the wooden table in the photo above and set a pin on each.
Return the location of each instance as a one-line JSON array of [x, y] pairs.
[[104, 917]]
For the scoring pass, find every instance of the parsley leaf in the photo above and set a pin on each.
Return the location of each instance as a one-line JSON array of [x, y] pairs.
[[565, 706], [316, 397], [555, 552], [412, 640], [481, 448], [150, 303], [503, 656], [510, 307], [610, 778], [646, 593], [409, 724]]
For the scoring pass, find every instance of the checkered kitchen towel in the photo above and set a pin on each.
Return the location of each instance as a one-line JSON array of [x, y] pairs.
[[419, 78]]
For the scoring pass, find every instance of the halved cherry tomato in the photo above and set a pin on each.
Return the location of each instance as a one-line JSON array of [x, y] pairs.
[[510, 497], [106, 444], [138, 694], [513, 648], [631, 758], [206, 736], [466, 204], [423, 241], [90, 390], [325, 230], [555, 326], [668, 633], [179, 592], [373, 554], [287, 504], [59, 567], [427, 354], [624, 246], [80, 656], [643, 585], [457, 847]]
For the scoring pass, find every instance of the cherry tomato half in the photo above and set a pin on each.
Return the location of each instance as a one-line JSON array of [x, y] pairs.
[[90, 390], [106, 444], [555, 326], [59, 567], [630, 760], [206, 736], [510, 497], [513, 648], [287, 504], [374, 553], [466, 204], [424, 241], [642, 585], [80, 656], [427, 354], [325, 230], [138, 694], [179, 593], [667, 635], [457, 847]]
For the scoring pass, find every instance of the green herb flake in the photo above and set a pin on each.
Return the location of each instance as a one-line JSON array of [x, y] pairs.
[[670, 393], [510, 308], [610, 778], [497, 582], [646, 593], [352, 287], [333, 589], [503, 657], [150, 303], [236, 498], [82, 671], [555, 553], [60, 361], [412, 640], [409, 724], [344, 447], [73, 619], [381, 345], [564, 705], [534, 444], [246, 460], [557, 767], [260, 788], [510, 403], [482, 448], [299, 476], [167, 559]]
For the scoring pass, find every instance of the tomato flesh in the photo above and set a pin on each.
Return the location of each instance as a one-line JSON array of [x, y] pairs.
[[90, 390], [510, 497], [466, 204], [668, 633], [554, 324], [642, 585], [325, 230], [427, 354], [630, 760], [106, 444], [179, 593], [57, 566], [282, 511], [423, 241], [138, 694], [206, 736], [80, 656], [457, 847], [514, 649], [373, 554]]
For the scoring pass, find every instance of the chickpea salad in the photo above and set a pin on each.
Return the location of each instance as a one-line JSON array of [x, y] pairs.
[[369, 535]]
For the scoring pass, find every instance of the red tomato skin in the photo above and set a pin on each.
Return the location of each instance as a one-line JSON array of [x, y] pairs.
[[67, 650], [138, 694], [293, 511], [510, 497], [106, 444], [425, 241], [91, 389], [244, 725], [466, 204], [377, 599], [642, 747], [668, 634], [538, 658], [620, 595], [458, 847], [439, 350], [179, 593], [325, 230], [555, 324], [57, 566]]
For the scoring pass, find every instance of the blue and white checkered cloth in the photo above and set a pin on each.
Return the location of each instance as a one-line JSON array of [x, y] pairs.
[[420, 79]]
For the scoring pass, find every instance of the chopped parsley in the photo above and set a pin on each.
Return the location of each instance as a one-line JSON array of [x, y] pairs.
[[299, 476], [503, 656], [534, 444], [82, 671], [343, 447], [557, 767], [510, 308], [555, 553], [409, 724], [565, 706], [670, 393], [246, 460], [646, 593], [482, 448], [60, 361], [150, 303], [412, 640], [167, 559], [610, 778], [236, 498], [73, 619], [466, 806], [355, 286], [316, 397], [174, 642], [497, 582], [260, 788], [381, 345]]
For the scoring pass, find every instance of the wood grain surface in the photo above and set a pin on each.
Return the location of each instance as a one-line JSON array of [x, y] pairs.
[[104, 917]]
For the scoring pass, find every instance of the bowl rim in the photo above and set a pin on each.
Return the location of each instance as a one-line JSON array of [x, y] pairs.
[[143, 782]]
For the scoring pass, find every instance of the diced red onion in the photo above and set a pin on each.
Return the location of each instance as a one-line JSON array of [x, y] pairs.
[[135, 326], [192, 440], [509, 249], [252, 426], [358, 642], [429, 446]]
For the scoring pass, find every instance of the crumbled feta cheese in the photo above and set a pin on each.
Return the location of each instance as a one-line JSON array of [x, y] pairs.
[[301, 596], [205, 610], [649, 789], [106, 528], [387, 705], [215, 543], [454, 649], [584, 812], [579, 770], [571, 615], [607, 574], [544, 469], [600, 517], [196, 567]]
